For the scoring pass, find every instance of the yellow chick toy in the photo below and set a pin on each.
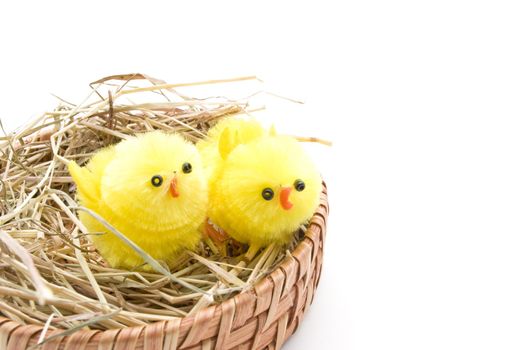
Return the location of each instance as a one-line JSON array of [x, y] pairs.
[[151, 188], [262, 186]]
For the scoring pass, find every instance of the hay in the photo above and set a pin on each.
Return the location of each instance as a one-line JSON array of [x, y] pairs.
[[50, 274]]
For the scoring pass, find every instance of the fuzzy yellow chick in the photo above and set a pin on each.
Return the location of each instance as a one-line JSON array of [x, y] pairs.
[[262, 186], [151, 188]]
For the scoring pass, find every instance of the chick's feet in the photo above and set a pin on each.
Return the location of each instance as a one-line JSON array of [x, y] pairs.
[[220, 242]]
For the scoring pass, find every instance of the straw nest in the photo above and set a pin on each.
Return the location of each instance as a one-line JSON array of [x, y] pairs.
[[50, 273]]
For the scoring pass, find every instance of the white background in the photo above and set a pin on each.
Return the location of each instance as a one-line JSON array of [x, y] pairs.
[[423, 101]]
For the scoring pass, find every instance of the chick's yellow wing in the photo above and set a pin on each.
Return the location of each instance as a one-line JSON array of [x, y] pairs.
[[224, 137], [88, 178]]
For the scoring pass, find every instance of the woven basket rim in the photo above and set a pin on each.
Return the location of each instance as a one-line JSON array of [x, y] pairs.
[[274, 285]]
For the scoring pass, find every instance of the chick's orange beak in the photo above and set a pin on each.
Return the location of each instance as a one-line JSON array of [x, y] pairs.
[[285, 192], [173, 187]]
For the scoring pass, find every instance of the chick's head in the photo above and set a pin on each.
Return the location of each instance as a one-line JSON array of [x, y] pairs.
[[156, 181], [269, 186]]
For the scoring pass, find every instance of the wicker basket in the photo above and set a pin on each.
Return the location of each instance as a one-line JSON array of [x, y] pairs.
[[260, 318]]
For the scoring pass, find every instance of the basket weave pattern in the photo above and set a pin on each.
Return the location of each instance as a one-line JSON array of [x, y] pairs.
[[262, 317]]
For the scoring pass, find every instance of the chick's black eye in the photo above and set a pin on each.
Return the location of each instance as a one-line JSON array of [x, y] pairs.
[[157, 180], [267, 194], [299, 185], [186, 168]]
